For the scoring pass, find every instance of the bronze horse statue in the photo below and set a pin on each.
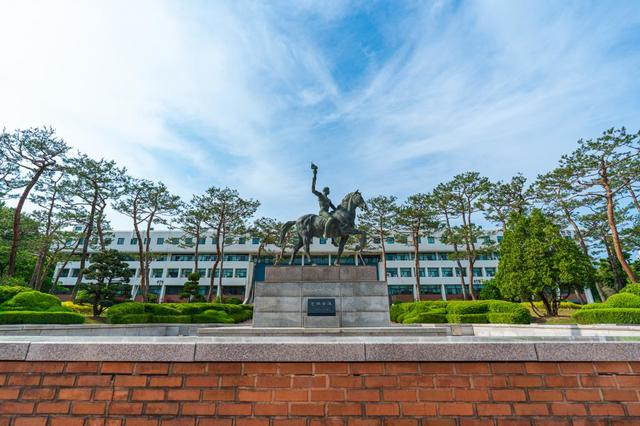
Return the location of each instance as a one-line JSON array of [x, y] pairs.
[[313, 225]]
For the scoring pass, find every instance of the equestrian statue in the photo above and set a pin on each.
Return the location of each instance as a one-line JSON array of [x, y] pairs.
[[331, 222]]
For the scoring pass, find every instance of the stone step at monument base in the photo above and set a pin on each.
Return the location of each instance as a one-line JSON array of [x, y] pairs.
[[421, 331]]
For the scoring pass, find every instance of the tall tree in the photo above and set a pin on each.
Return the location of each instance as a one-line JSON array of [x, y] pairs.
[[443, 202], [147, 204], [227, 215], [192, 223], [502, 198], [468, 192], [34, 151], [598, 168], [538, 262], [417, 218], [380, 220], [93, 181]]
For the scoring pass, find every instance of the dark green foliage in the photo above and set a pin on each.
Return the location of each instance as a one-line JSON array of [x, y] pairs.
[[608, 316], [31, 317], [8, 291], [135, 312], [623, 300], [492, 311], [32, 301], [467, 318], [490, 291], [594, 306]]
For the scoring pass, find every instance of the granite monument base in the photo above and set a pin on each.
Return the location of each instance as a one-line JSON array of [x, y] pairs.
[[321, 297]]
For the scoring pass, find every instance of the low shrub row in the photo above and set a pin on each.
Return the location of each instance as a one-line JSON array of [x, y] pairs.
[[459, 312], [621, 308], [135, 312], [23, 305]]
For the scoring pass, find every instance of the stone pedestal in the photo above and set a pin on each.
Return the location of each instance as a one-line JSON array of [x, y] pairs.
[[282, 299]]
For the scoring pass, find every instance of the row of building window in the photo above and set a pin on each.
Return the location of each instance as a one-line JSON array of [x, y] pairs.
[[450, 289], [440, 272], [435, 256], [173, 272], [431, 240]]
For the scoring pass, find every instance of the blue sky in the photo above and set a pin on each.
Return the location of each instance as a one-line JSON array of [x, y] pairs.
[[389, 97]]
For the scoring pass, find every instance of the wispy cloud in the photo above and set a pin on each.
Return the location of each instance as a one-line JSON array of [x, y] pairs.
[[389, 97]]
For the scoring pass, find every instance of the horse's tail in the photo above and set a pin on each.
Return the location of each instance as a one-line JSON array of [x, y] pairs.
[[285, 229]]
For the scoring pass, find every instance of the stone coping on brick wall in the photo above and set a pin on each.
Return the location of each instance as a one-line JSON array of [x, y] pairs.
[[317, 348]]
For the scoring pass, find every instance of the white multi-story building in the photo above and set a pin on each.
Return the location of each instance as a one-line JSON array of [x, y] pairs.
[[174, 261]]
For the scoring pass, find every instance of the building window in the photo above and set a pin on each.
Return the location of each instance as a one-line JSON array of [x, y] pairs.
[[392, 272], [255, 241], [172, 273], [491, 272], [236, 257], [400, 289], [75, 272], [188, 241], [464, 272], [120, 241], [477, 272], [421, 272], [433, 272], [430, 289], [376, 240], [201, 272], [209, 273], [443, 256], [161, 258], [405, 272], [323, 241], [132, 271], [428, 256], [64, 273], [134, 241], [174, 241], [390, 240], [241, 273], [184, 272], [214, 240], [419, 240], [182, 258], [242, 240], [160, 241], [399, 256], [447, 272], [156, 273], [207, 257], [227, 273], [431, 240], [202, 240], [453, 289]]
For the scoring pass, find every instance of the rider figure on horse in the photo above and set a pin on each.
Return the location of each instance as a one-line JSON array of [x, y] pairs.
[[323, 200]]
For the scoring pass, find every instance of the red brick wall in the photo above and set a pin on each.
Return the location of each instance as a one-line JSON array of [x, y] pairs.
[[398, 393]]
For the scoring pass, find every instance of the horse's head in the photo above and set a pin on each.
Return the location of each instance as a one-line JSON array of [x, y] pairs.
[[354, 199]]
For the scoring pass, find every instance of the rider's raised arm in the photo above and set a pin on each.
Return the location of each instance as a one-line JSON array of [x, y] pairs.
[[332, 206], [313, 184]]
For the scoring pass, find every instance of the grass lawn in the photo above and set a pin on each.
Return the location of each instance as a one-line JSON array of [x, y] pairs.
[[564, 317]]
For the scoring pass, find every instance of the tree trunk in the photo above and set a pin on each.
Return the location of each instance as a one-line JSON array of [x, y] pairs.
[[196, 249], [547, 304], [219, 293], [215, 265], [13, 253], [147, 256], [54, 282], [384, 254], [457, 254], [42, 255], [85, 243], [618, 279], [615, 239], [416, 254]]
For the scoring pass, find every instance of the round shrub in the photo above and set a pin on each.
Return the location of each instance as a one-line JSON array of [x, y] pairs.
[[155, 309], [8, 291], [608, 316], [33, 317], [623, 300], [631, 288], [32, 301], [126, 308]]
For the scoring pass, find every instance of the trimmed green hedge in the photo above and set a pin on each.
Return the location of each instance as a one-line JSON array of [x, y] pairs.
[[31, 317], [135, 312], [483, 311], [631, 288], [608, 316], [623, 300]]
